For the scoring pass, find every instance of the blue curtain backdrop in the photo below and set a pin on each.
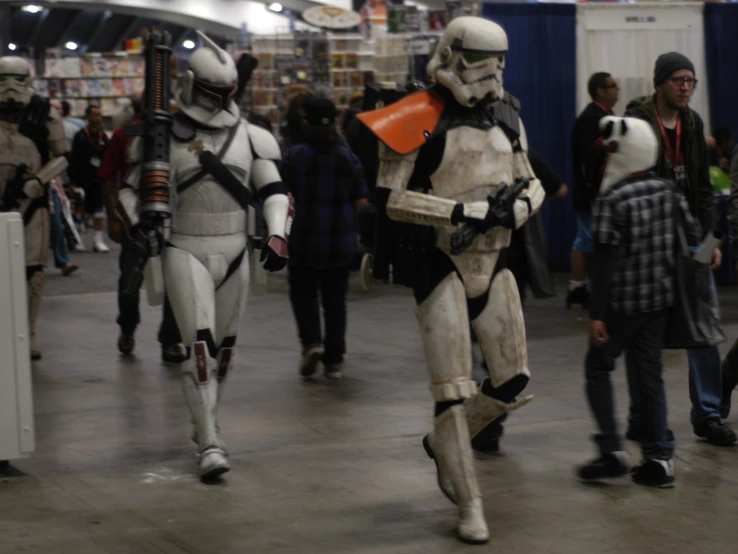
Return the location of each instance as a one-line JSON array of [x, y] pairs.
[[721, 49], [541, 73]]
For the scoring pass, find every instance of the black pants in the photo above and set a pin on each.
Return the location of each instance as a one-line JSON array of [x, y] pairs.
[[305, 283], [640, 336], [129, 298]]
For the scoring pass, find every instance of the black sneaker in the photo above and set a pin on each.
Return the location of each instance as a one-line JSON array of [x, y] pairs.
[[613, 464], [578, 297], [634, 434], [126, 344], [173, 354], [654, 473], [716, 432]]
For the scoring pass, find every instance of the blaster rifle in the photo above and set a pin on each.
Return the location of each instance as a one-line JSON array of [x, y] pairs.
[[155, 129], [463, 238]]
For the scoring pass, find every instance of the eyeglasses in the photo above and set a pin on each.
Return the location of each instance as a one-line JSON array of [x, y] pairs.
[[614, 85], [681, 81]]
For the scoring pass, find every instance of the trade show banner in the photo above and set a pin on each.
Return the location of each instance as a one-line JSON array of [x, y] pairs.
[[626, 39]]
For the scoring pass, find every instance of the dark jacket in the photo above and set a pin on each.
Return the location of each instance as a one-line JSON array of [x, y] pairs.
[[699, 191], [583, 137]]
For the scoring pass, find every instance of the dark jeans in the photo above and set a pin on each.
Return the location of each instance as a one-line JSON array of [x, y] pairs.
[[305, 283], [128, 312], [705, 385], [640, 336], [56, 228]]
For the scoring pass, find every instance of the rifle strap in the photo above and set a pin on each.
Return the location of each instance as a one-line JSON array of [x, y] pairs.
[[224, 149]]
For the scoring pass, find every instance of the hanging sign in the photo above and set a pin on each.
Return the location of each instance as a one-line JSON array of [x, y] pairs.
[[331, 17], [632, 18]]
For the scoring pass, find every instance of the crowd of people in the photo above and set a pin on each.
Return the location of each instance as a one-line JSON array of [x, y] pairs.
[[449, 210]]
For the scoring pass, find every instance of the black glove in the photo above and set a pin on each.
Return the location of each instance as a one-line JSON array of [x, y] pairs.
[[13, 192], [273, 260]]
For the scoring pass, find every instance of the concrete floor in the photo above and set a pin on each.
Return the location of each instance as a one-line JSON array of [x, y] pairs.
[[329, 467]]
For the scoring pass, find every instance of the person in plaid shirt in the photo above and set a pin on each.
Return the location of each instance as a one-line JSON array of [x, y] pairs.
[[632, 289], [327, 183]]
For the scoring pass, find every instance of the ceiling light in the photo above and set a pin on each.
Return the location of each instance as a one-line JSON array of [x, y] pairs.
[[32, 8], [70, 45], [275, 7], [12, 46], [189, 44]]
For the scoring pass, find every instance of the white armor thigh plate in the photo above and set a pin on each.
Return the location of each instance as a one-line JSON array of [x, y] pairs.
[[475, 163], [444, 328], [193, 269], [500, 329]]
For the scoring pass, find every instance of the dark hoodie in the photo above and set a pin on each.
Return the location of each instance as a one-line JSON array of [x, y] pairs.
[[699, 191]]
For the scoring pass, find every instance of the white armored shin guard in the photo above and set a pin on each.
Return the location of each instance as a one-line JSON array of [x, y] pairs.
[[450, 446], [201, 384]]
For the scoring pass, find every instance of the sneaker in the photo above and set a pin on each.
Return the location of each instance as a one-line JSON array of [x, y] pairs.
[[716, 432], [612, 464], [578, 297], [68, 269], [126, 344], [654, 473], [310, 360], [173, 354], [634, 434], [333, 371]]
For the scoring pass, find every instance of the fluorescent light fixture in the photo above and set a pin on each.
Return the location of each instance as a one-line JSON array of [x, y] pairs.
[[71, 45], [12, 46], [275, 7], [32, 8], [189, 44]]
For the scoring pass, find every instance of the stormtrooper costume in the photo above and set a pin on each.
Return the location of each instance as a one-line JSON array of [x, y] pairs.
[[205, 261], [443, 152], [31, 133]]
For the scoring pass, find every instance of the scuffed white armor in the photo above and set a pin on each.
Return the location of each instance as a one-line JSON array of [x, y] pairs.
[[206, 261], [484, 147]]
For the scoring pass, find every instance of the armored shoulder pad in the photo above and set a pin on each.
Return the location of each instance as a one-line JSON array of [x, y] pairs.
[[263, 143], [506, 115], [183, 128], [406, 125]]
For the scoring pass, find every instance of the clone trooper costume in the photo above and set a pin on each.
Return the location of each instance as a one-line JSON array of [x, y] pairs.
[[205, 261], [444, 153], [31, 132]]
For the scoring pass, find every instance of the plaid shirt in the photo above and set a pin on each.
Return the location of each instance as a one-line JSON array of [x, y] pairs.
[[635, 216], [325, 180]]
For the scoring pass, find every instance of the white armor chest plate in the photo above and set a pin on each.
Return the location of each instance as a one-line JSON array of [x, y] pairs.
[[16, 149], [207, 196], [475, 162]]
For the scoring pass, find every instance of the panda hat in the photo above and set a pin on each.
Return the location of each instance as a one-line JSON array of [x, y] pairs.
[[631, 146]]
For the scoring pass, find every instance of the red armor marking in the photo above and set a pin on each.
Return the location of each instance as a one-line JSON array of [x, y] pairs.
[[226, 355], [201, 361]]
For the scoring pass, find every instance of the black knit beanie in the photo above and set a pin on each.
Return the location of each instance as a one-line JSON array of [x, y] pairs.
[[670, 63]]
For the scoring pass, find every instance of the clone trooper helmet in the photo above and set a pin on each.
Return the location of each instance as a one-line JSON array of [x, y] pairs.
[[15, 82], [631, 147], [469, 60], [209, 85]]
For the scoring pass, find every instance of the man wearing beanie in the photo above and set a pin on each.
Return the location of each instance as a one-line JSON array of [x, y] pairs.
[[683, 158]]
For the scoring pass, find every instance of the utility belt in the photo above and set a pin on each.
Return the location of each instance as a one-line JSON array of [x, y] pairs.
[[209, 225]]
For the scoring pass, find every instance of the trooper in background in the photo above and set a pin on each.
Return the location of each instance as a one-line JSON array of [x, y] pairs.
[[31, 133]]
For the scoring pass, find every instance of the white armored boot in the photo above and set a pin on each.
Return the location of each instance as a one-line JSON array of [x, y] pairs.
[[201, 392], [450, 446], [35, 289]]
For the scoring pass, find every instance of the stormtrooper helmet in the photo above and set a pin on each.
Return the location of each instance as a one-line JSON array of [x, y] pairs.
[[209, 86], [470, 59], [631, 147], [15, 82]]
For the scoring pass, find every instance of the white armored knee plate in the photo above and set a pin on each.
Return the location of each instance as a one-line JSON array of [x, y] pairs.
[[470, 59], [208, 87]]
